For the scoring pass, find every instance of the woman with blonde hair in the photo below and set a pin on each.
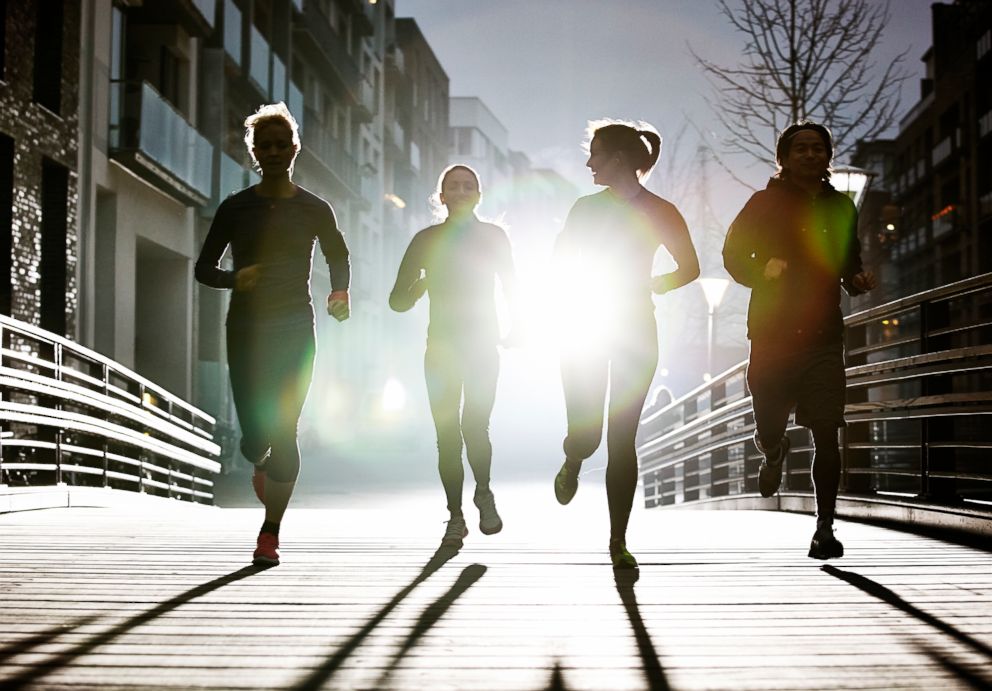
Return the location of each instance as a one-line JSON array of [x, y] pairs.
[[271, 229]]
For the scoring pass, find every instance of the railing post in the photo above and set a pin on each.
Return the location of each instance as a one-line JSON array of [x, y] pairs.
[[58, 407], [933, 316], [851, 459]]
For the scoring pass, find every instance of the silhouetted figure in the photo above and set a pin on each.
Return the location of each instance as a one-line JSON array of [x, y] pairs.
[[456, 263], [604, 258], [795, 244], [271, 229]]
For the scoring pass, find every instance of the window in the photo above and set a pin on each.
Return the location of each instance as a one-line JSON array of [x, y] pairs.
[[3, 37], [48, 55], [54, 228], [6, 218]]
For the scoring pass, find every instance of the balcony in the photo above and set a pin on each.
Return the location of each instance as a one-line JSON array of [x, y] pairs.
[[321, 41], [232, 31], [258, 64], [365, 108], [329, 151], [197, 17], [395, 60], [155, 141]]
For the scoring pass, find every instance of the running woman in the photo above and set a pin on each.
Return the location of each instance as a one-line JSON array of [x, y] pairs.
[[271, 229], [456, 263], [605, 256]]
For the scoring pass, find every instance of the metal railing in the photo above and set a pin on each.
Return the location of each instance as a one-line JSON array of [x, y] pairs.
[[919, 390], [70, 416]]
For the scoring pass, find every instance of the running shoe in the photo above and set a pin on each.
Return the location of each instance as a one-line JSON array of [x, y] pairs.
[[267, 550], [824, 545], [489, 521], [455, 532], [567, 481], [621, 558], [770, 472]]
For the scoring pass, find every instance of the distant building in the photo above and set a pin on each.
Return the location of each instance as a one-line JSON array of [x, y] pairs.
[[929, 221], [480, 140]]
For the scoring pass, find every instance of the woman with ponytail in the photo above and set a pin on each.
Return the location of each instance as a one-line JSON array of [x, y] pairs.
[[604, 257]]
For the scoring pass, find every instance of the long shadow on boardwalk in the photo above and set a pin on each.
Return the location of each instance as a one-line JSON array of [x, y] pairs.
[[653, 670], [29, 676], [319, 676], [430, 616], [889, 597]]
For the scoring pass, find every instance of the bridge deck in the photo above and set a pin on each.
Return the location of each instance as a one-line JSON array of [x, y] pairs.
[[158, 595]]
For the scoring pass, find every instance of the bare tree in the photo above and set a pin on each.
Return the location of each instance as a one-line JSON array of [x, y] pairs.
[[804, 59]]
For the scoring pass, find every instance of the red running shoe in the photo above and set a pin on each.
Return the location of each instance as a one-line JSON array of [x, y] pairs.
[[258, 483], [267, 551]]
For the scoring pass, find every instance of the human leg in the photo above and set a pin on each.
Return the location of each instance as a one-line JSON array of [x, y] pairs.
[[481, 374], [631, 371], [584, 380], [444, 391], [770, 379], [821, 408]]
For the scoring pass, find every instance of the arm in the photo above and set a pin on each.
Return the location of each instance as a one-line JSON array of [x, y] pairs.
[[744, 256], [678, 242], [338, 259], [410, 285], [854, 278], [207, 269], [507, 274]]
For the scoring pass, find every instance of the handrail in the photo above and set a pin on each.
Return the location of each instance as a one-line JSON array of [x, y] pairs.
[[69, 415], [917, 393]]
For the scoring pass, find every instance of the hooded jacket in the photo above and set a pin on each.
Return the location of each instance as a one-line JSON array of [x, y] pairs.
[[817, 237]]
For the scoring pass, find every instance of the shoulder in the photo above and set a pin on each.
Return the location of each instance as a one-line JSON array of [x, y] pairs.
[[309, 199], [658, 206], [238, 199]]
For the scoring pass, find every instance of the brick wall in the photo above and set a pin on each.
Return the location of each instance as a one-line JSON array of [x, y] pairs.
[[38, 134]]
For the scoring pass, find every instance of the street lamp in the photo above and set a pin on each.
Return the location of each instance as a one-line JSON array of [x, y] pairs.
[[713, 290], [853, 182]]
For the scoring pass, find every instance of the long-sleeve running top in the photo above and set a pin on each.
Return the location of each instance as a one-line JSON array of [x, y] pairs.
[[817, 237], [608, 246], [459, 262], [278, 235]]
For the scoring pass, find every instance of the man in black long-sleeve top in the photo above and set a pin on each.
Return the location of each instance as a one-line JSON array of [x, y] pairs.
[[795, 245]]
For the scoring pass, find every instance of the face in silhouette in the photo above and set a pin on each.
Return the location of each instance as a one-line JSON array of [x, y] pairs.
[[605, 165], [460, 192], [273, 148], [807, 159]]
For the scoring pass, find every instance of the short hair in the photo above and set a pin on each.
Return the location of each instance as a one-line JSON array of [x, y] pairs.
[[784, 143], [639, 141], [268, 114], [443, 177]]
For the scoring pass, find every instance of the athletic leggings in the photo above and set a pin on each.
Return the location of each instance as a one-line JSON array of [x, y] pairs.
[[453, 370], [626, 367], [271, 369]]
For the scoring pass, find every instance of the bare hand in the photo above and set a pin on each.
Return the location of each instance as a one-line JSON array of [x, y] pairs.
[[774, 268], [339, 305], [246, 278], [864, 281]]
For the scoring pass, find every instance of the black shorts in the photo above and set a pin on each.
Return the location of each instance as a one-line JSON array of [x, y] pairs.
[[812, 381]]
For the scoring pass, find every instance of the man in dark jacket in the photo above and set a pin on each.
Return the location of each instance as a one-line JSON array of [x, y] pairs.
[[795, 244]]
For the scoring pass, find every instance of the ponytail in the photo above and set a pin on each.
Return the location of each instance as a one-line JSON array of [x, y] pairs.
[[638, 142]]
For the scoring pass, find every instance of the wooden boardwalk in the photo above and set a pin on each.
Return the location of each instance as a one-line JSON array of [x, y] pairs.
[[159, 596]]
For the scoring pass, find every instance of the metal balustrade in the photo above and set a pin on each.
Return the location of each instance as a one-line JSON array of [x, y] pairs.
[[917, 444], [70, 416]]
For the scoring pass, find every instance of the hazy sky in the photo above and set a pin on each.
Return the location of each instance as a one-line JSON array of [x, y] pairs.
[[546, 67]]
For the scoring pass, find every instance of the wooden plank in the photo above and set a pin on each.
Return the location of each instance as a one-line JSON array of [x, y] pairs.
[[158, 595]]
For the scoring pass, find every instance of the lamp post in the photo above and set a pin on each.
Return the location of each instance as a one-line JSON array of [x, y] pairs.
[[853, 182], [713, 290]]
